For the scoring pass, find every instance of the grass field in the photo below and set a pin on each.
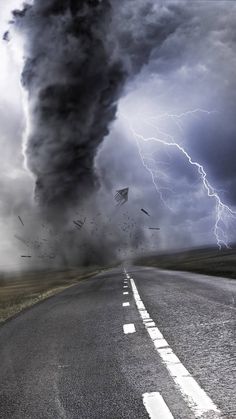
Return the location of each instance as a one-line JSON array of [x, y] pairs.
[[209, 261], [18, 291]]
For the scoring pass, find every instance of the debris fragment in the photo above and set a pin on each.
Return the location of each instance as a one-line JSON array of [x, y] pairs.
[[25, 256], [121, 196], [47, 256], [26, 242], [21, 220], [79, 223], [154, 228], [145, 212], [6, 36]]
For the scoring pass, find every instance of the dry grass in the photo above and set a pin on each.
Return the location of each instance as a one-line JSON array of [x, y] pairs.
[[18, 291], [208, 261]]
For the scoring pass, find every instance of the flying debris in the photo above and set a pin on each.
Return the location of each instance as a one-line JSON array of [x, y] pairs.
[[154, 228], [145, 212], [25, 256], [121, 196], [47, 256], [6, 36], [26, 242], [79, 223], [21, 220]]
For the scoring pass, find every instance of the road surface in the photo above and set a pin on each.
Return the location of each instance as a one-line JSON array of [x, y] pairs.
[[129, 343]]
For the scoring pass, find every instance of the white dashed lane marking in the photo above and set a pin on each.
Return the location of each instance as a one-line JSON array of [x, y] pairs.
[[196, 398], [129, 328], [125, 293], [156, 407], [125, 304]]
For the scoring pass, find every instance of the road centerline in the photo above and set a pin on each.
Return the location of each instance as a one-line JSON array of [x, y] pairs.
[[156, 407], [129, 328], [195, 397]]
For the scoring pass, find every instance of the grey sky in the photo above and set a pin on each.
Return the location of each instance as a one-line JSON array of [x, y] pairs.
[[178, 57]]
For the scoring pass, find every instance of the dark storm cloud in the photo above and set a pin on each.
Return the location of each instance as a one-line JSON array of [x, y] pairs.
[[196, 62], [73, 87], [208, 60], [78, 56], [194, 67], [143, 27], [83, 56]]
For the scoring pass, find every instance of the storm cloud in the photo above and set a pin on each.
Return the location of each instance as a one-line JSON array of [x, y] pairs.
[[78, 57], [73, 85], [92, 68]]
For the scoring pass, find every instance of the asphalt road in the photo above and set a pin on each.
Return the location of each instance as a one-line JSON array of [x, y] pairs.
[[82, 354]]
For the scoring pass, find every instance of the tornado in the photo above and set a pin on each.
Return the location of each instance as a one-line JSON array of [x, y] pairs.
[[79, 55]]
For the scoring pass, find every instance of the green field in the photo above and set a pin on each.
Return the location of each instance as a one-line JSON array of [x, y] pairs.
[[208, 261]]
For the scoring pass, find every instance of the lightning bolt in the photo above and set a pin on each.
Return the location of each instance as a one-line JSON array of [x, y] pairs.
[[223, 213]]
